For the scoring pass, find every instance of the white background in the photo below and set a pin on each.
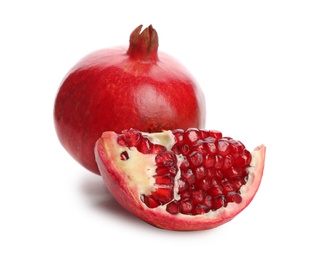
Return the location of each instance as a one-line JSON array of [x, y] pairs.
[[261, 66]]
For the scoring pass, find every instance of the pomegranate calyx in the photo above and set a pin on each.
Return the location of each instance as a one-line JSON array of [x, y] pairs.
[[143, 46]]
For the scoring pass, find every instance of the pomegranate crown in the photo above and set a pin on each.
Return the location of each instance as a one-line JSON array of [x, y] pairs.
[[144, 45]]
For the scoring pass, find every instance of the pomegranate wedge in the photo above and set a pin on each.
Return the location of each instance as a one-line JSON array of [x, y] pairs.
[[181, 179]]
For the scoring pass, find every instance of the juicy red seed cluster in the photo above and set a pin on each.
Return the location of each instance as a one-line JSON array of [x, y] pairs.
[[212, 172], [213, 169], [134, 138]]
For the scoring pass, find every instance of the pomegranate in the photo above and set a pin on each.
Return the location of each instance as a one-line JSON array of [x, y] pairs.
[[180, 179], [118, 88]]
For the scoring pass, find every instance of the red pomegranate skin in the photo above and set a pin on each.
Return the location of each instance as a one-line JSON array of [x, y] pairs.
[[117, 88]]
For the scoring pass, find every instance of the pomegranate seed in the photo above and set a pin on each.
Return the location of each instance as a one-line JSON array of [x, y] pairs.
[[211, 173], [219, 174], [163, 170], [185, 149], [215, 191], [233, 197], [233, 172], [203, 134], [219, 202], [200, 147], [197, 196], [164, 180], [196, 158], [150, 202], [228, 187], [164, 195], [238, 183], [216, 134], [191, 135], [184, 165], [210, 145], [185, 195], [244, 159], [215, 182], [182, 186], [157, 148], [219, 162], [209, 160], [228, 162], [200, 173], [200, 209], [132, 137], [121, 140], [144, 146], [186, 206], [176, 149], [248, 156], [124, 156], [237, 147], [173, 170], [189, 176], [178, 135], [208, 201], [204, 185], [223, 147], [173, 208], [166, 159]]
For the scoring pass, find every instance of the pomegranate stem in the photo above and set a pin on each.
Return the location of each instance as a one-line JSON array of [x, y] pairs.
[[144, 45]]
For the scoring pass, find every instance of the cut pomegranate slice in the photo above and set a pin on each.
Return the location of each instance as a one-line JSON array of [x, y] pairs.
[[182, 179]]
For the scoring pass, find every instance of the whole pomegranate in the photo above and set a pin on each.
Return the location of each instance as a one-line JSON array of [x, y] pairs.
[[118, 88], [180, 179]]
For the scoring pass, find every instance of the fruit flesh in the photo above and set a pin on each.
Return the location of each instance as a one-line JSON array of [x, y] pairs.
[[157, 205]]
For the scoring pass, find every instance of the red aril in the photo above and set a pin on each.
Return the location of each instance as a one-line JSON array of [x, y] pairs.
[[182, 179], [118, 88]]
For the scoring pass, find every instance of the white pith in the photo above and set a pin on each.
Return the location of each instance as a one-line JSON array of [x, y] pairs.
[[140, 170], [165, 138]]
